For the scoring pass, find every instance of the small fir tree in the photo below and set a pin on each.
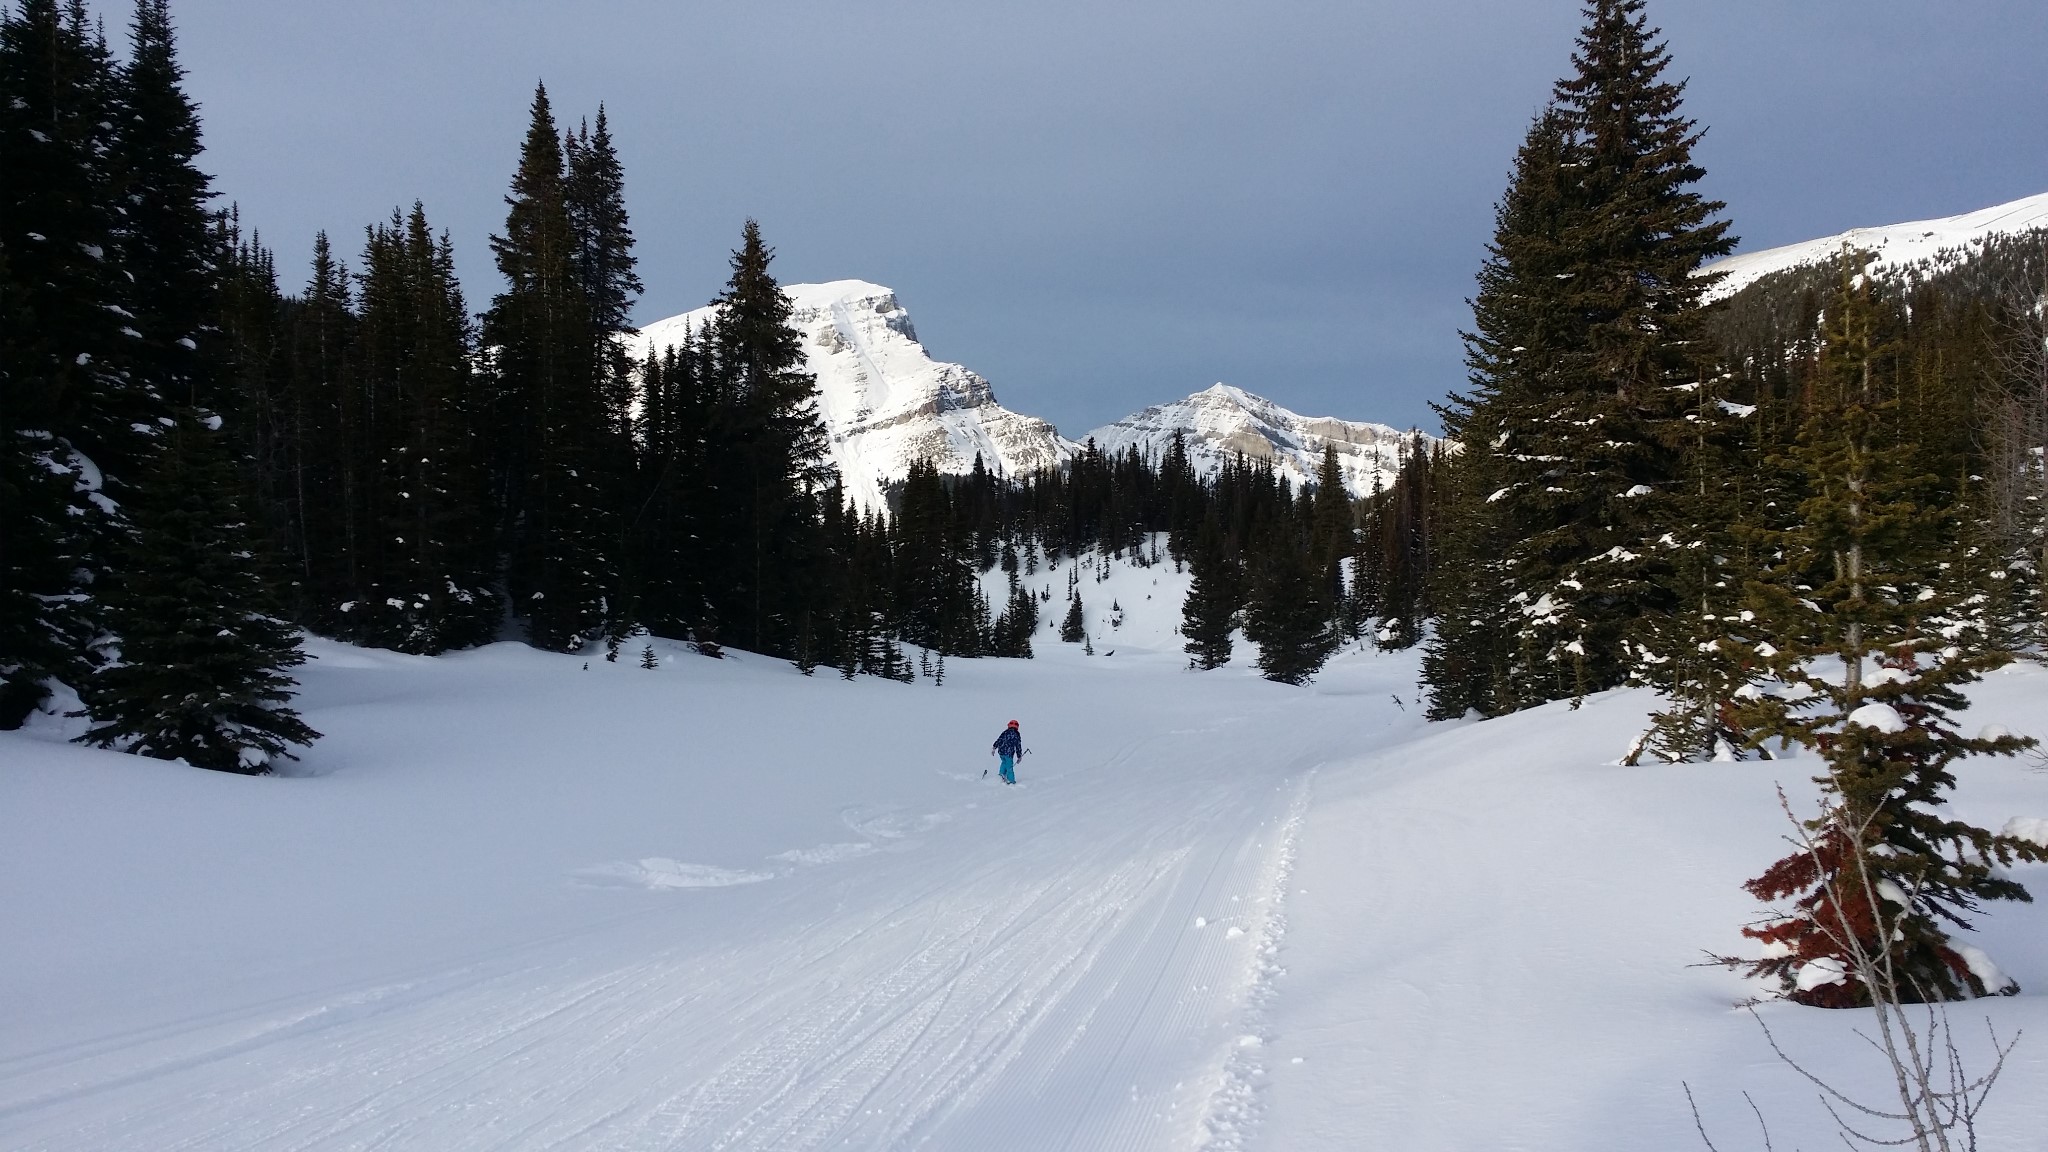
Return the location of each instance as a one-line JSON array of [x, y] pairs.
[[1209, 613], [1865, 621], [1074, 628]]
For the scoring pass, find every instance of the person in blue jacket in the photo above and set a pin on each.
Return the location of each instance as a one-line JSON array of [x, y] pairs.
[[1009, 746]]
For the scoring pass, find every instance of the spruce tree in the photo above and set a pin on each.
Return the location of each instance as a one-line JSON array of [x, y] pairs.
[[1074, 626], [1871, 631], [426, 567], [200, 671], [1474, 660], [1215, 594], [323, 459], [75, 425], [1289, 616], [551, 421], [1588, 326], [1333, 532], [769, 463], [167, 247]]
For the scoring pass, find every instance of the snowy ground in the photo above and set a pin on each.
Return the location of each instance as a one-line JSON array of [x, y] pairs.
[[515, 904]]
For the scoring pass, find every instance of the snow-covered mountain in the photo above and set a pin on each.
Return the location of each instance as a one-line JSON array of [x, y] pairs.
[[1895, 245], [1220, 421], [886, 403]]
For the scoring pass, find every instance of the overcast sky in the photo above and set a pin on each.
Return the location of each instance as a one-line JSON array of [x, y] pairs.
[[1097, 205]]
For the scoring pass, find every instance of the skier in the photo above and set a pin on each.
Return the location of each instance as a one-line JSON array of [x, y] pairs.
[[1009, 746]]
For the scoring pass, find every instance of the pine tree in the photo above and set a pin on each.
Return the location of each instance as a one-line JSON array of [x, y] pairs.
[[1468, 662], [1588, 326], [425, 567], [551, 420], [70, 408], [771, 448], [166, 241], [1215, 594], [647, 657], [1333, 531], [1074, 627], [1289, 616], [200, 672], [1518, 319], [1863, 576], [322, 461]]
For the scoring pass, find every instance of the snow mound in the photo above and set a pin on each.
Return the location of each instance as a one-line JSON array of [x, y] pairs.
[[1895, 245], [2031, 828], [824, 853], [660, 872], [1882, 717]]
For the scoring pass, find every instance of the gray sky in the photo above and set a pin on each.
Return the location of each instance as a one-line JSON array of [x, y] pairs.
[[1098, 206]]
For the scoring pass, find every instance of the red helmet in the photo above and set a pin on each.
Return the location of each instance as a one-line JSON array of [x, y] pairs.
[[1013, 723]]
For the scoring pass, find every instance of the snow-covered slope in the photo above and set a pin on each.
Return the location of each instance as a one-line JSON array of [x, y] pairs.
[[525, 905], [886, 403], [1220, 421], [1895, 245], [524, 901]]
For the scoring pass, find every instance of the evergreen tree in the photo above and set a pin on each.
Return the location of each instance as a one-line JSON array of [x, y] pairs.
[[1289, 616], [1074, 627], [672, 526], [166, 243], [425, 567], [1215, 593], [322, 455], [769, 465], [70, 408], [1468, 662], [1588, 326], [200, 671], [1518, 318], [551, 420], [1333, 526], [1863, 577]]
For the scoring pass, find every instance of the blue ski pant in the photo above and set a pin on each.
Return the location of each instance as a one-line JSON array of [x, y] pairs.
[[1009, 770]]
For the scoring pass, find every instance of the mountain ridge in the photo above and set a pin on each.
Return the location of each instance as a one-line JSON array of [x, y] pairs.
[[1946, 239], [886, 403]]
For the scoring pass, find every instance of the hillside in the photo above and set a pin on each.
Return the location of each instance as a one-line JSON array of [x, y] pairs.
[[1930, 243]]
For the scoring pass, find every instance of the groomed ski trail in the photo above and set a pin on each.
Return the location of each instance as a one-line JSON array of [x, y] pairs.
[[1079, 966]]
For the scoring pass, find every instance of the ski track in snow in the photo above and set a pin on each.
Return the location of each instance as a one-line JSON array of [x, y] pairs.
[[1016, 985]]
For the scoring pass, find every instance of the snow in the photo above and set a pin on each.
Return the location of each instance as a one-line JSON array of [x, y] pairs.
[[1931, 242], [1880, 716], [1819, 973], [1220, 421], [884, 401], [2032, 828], [509, 903]]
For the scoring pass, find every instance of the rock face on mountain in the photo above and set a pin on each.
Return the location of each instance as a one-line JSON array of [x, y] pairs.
[[1930, 242], [1221, 421], [885, 402]]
